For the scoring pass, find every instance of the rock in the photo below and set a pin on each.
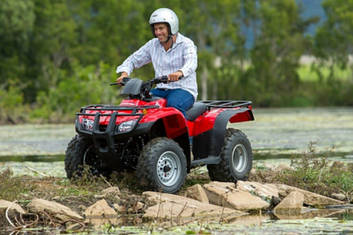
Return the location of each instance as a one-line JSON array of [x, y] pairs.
[[311, 199], [265, 191], [12, 206], [136, 207], [292, 204], [185, 209], [121, 209], [197, 192], [253, 171], [283, 167], [101, 213], [225, 194], [55, 209], [339, 196], [109, 192], [73, 226], [82, 207], [250, 220]]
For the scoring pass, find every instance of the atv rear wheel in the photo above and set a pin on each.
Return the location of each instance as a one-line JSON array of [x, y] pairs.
[[162, 165], [80, 154], [236, 158]]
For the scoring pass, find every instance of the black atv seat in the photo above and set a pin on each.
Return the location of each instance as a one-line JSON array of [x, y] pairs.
[[196, 110]]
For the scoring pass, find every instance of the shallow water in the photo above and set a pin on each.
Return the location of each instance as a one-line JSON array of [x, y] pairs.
[[290, 130]]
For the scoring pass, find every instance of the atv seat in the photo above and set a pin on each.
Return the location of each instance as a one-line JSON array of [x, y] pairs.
[[196, 110]]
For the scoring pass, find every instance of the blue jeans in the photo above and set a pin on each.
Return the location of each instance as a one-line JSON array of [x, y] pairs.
[[177, 98]]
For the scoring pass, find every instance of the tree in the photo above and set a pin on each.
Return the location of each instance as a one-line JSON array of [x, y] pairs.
[[16, 24], [279, 42], [334, 39]]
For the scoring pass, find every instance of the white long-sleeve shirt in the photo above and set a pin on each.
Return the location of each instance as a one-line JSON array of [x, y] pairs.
[[181, 56]]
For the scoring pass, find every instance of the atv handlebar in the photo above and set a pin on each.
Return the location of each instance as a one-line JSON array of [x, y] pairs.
[[162, 79], [122, 83]]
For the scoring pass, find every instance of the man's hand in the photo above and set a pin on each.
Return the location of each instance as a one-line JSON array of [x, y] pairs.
[[122, 75], [175, 76]]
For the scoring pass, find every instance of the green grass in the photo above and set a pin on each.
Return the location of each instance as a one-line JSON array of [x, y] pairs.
[[307, 74]]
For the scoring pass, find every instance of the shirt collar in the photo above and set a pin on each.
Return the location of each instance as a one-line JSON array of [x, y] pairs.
[[178, 38]]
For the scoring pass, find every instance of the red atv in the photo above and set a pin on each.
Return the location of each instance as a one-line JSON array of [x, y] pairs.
[[144, 135]]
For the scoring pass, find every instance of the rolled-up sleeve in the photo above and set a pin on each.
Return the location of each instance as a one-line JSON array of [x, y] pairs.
[[139, 58], [190, 59]]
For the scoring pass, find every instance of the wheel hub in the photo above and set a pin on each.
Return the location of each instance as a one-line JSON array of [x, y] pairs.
[[168, 168], [239, 157]]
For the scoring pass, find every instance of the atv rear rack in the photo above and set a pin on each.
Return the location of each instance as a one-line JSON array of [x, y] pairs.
[[225, 103]]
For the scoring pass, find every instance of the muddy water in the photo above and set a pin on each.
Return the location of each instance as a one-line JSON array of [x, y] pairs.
[[275, 135]]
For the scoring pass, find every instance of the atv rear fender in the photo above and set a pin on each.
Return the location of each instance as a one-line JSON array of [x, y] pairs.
[[210, 142]]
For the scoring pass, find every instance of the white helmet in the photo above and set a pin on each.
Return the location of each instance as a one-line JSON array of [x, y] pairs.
[[165, 15]]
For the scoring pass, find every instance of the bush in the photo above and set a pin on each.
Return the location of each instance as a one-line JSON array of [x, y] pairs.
[[87, 85], [313, 172], [12, 107]]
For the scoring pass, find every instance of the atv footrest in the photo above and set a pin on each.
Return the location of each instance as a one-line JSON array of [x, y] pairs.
[[206, 161]]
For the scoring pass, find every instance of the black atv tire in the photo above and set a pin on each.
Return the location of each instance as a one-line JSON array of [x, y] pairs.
[[236, 158], [162, 165], [80, 153]]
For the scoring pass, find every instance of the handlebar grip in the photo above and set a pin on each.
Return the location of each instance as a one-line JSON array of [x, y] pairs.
[[122, 83]]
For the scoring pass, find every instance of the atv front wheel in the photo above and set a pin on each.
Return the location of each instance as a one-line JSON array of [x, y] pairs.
[[236, 158], [162, 165], [80, 154]]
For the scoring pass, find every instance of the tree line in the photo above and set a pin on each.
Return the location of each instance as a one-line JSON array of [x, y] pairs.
[[58, 55]]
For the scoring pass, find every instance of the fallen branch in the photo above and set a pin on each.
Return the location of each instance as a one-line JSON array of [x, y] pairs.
[[8, 218], [37, 172], [110, 185]]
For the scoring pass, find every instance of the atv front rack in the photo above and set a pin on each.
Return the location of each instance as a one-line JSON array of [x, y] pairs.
[[115, 112], [101, 107], [103, 135], [225, 103]]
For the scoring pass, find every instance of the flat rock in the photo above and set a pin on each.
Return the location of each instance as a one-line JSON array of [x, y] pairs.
[[56, 209], [262, 190], [101, 213], [197, 192], [109, 192], [311, 199], [173, 206], [12, 206], [292, 204], [225, 194], [339, 196]]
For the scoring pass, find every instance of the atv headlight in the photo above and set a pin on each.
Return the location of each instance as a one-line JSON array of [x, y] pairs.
[[127, 126], [87, 124]]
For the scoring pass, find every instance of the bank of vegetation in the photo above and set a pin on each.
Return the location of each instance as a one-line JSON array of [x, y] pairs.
[[58, 55]]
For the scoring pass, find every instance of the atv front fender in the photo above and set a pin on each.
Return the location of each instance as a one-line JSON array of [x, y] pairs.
[[173, 121]]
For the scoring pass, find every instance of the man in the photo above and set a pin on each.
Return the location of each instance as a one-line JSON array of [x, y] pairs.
[[171, 54]]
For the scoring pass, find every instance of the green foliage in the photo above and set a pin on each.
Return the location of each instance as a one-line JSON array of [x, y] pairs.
[[12, 107], [16, 24], [312, 171], [54, 48], [279, 43], [88, 85], [12, 188], [333, 41]]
